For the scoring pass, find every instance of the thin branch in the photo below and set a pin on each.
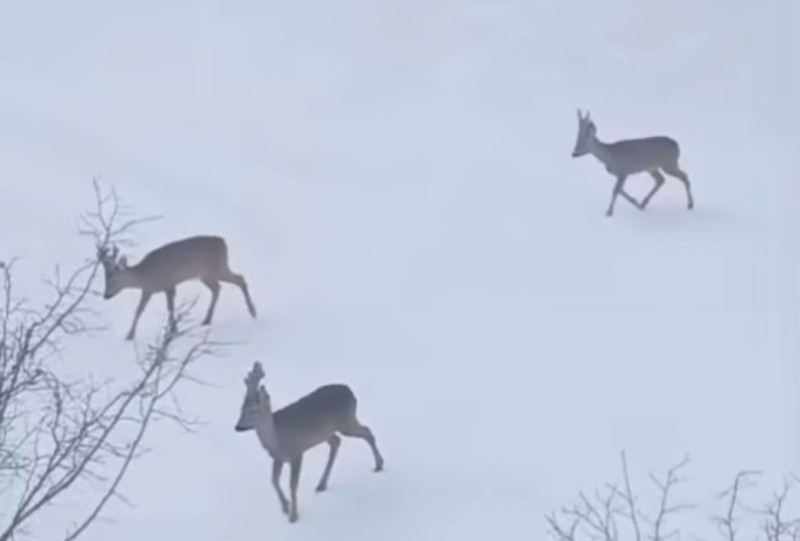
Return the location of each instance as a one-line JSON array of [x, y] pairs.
[[561, 533], [598, 518], [665, 509], [727, 523], [776, 526], [58, 435], [150, 411], [108, 221], [629, 498]]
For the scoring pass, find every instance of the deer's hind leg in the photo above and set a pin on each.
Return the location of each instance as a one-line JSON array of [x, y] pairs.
[[231, 277], [334, 442], [213, 285], [675, 171], [170, 294], [355, 429], [659, 178]]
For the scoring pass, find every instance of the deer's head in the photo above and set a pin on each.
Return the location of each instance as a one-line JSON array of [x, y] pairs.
[[256, 400], [114, 267], [586, 133]]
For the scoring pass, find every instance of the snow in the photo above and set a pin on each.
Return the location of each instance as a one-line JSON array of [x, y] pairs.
[[394, 180]]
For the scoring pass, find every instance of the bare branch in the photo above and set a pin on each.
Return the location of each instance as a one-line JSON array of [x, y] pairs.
[[665, 509], [727, 523], [629, 499], [58, 435], [559, 532], [162, 379], [599, 518], [776, 526], [110, 222]]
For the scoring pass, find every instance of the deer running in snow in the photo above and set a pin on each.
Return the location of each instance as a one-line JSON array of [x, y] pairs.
[[290, 431], [630, 156], [200, 257]]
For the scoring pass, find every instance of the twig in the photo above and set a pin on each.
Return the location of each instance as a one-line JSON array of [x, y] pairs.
[[57, 435], [726, 523]]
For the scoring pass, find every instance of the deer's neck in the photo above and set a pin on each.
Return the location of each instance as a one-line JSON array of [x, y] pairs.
[[267, 434], [131, 278], [600, 150]]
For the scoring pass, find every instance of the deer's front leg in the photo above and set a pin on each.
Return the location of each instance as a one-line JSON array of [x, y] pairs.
[[143, 300], [659, 182], [617, 190], [630, 199], [277, 467]]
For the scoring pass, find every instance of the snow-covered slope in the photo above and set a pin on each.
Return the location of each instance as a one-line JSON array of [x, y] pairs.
[[394, 180]]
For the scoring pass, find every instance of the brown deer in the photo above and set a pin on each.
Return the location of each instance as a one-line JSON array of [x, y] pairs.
[[290, 431], [631, 156], [199, 257]]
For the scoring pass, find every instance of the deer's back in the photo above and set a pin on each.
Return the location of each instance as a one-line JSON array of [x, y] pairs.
[[633, 155], [184, 259], [315, 417]]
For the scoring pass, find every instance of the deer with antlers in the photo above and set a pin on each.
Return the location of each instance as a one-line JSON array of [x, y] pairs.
[[204, 258], [286, 434], [654, 155]]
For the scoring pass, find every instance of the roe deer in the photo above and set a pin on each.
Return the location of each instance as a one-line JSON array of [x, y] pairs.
[[631, 156], [287, 433], [199, 257]]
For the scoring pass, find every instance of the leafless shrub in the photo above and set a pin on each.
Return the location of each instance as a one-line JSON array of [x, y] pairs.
[[60, 436], [610, 511], [776, 522], [614, 514]]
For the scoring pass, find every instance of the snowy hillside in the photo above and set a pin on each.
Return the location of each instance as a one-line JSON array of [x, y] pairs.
[[395, 181]]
